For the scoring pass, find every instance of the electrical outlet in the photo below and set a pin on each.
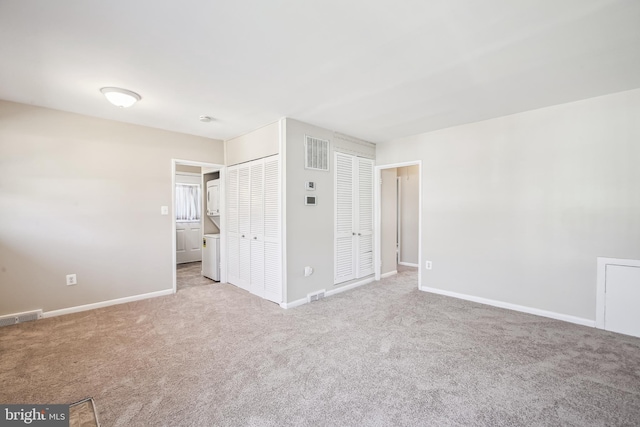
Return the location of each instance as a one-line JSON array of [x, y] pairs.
[[71, 280], [428, 265]]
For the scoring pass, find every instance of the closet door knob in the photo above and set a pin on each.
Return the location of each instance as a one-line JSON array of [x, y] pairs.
[[243, 236], [255, 237], [353, 234], [359, 234]]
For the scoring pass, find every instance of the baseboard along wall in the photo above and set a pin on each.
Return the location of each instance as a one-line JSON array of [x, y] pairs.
[[515, 307]]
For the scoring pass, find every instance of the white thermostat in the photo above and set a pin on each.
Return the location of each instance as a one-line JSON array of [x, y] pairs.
[[310, 200], [309, 185]]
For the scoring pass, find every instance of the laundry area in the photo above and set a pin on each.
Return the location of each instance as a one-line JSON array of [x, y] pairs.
[[197, 216]]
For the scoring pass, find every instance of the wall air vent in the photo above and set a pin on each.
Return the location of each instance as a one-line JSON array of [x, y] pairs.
[[315, 296], [316, 153], [12, 319]]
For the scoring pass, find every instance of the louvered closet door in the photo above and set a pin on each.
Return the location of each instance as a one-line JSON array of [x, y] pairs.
[[244, 226], [364, 241], [233, 260], [344, 218], [257, 227], [272, 257]]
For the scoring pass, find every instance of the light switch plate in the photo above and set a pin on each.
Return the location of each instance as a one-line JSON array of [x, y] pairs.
[[164, 210]]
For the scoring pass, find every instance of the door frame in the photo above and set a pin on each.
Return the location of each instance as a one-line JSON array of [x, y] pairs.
[[223, 239], [601, 284], [377, 215]]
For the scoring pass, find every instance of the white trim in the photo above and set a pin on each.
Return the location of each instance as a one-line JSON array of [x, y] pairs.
[[350, 286], [295, 303], [282, 153], [377, 215], [515, 307], [189, 174], [408, 264], [221, 170], [602, 263], [303, 301], [101, 304], [388, 274]]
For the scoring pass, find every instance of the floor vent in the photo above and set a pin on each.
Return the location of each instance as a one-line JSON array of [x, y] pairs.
[[27, 316], [315, 296]]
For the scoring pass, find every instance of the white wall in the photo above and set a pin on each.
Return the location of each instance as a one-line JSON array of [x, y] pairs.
[[517, 209], [310, 229], [409, 211], [82, 195], [260, 143]]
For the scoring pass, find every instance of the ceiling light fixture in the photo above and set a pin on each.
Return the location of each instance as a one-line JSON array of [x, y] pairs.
[[120, 97], [206, 119]]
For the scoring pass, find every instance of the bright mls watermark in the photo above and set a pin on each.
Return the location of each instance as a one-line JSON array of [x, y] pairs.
[[34, 415]]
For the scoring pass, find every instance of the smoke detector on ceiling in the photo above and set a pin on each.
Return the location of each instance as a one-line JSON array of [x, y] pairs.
[[206, 119]]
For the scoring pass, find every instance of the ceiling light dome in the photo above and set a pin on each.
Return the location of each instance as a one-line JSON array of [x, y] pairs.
[[120, 97]]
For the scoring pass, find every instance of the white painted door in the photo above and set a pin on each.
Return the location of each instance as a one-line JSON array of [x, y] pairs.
[[233, 237], [272, 258], [188, 242], [257, 227], [622, 297], [345, 267], [364, 226], [188, 233], [244, 226]]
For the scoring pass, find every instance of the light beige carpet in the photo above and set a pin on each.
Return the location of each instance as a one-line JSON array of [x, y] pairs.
[[379, 355]]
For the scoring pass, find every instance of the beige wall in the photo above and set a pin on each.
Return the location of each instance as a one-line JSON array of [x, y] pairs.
[[310, 229], [188, 169], [89, 204], [409, 211], [260, 143], [388, 220], [516, 209]]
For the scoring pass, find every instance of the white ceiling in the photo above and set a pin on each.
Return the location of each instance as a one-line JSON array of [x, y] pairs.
[[374, 69]]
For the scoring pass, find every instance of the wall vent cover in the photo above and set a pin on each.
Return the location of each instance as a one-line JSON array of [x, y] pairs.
[[12, 319], [315, 296], [316, 153]]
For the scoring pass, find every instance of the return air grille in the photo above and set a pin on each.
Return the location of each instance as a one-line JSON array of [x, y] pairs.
[[12, 319], [316, 153]]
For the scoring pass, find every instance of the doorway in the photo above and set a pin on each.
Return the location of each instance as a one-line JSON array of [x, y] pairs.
[[398, 220], [192, 226]]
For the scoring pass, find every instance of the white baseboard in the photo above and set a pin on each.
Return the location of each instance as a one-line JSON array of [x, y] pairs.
[[350, 286], [388, 274], [515, 307], [101, 304], [302, 301], [292, 304], [408, 264]]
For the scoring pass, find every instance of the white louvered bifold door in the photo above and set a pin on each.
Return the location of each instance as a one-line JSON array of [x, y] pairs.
[[344, 218], [364, 219], [272, 257], [233, 260], [257, 227], [244, 225]]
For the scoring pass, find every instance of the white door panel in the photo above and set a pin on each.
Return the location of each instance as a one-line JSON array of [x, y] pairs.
[[622, 297], [188, 242]]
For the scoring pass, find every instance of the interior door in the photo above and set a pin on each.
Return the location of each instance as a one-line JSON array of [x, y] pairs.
[[233, 237], [188, 241], [344, 219], [244, 226], [257, 228], [622, 294], [364, 243], [272, 257]]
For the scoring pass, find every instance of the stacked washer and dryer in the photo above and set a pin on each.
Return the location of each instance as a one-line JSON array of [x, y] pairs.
[[211, 242]]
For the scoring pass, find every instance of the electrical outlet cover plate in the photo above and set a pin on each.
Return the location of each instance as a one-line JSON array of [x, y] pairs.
[[428, 265], [71, 280]]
